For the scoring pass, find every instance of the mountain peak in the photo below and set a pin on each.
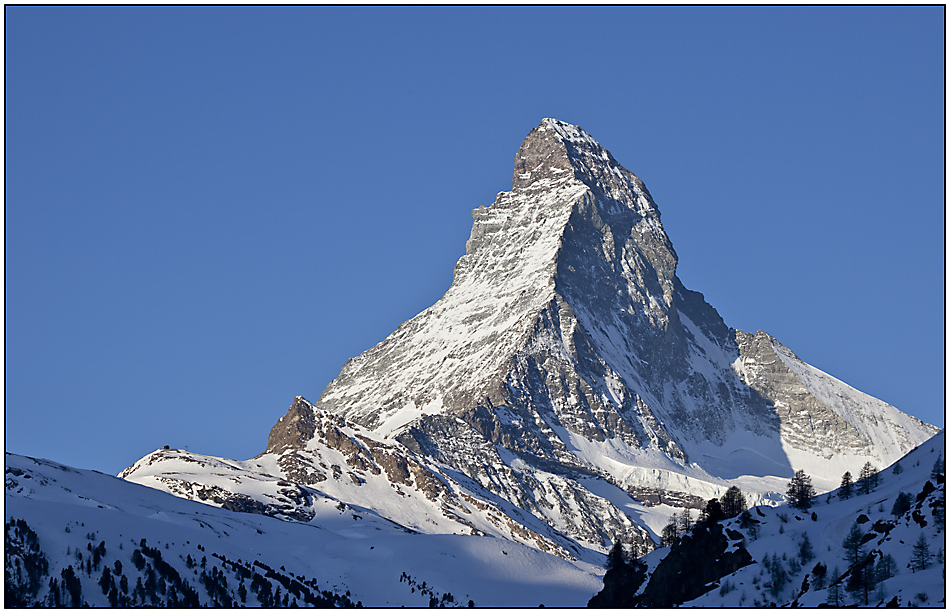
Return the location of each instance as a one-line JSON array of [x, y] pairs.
[[556, 151], [566, 309], [543, 155]]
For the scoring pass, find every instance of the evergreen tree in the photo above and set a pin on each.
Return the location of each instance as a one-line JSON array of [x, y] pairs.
[[98, 554], [834, 589], [867, 480], [794, 566], [712, 512], [852, 544], [886, 567], [138, 559], [901, 504], [684, 521], [938, 471], [53, 594], [670, 533], [805, 551], [616, 557], [920, 556], [72, 585], [105, 580], [897, 469], [861, 581], [846, 490], [800, 490], [733, 502], [779, 574]]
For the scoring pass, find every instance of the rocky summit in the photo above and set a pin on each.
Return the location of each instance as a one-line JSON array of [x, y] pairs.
[[567, 391]]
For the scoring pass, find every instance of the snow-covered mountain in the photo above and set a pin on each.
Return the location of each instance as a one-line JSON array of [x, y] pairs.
[[884, 544], [567, 339], [65, 527], [566, 391]]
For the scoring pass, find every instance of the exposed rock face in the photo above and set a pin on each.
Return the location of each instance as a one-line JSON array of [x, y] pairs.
[[294, 429], [761, 368], [565, 370], [819, 414]]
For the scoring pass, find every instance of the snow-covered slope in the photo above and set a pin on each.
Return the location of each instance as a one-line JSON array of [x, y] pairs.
[[567, 378], [342, 463], [58, 517], [793, 557]]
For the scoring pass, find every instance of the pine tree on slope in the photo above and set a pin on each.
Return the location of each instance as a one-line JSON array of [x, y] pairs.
[[852, 544], [733, 502], [800, 490], [867, 480], [920, 558], [938, 470], [834, 589], [847, 486], [616, 557]]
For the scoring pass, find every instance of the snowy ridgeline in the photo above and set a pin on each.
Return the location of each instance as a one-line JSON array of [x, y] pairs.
[[81, 537], [880, 543]]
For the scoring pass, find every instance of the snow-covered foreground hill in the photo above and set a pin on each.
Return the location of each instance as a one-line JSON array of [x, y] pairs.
[[791, 557], [67, 526]]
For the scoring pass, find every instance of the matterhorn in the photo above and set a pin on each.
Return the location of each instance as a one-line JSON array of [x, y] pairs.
[[566, 392]]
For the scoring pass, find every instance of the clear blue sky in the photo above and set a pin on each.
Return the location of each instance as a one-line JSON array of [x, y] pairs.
[[209, 210]]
